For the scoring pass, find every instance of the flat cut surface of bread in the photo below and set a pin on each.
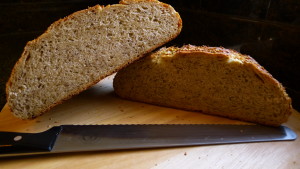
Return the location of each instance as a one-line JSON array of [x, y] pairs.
[[83, 48], [212, 80]]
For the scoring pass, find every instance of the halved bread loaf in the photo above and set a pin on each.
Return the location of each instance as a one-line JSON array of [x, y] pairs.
[[83, 48], [213, 80]]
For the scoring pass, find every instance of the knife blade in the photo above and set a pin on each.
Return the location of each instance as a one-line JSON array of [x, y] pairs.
[[80, 138]]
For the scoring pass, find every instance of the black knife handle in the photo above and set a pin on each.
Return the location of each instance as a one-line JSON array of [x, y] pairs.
[[12, 143]]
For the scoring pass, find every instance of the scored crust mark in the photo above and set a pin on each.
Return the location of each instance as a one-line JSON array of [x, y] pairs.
[[77, 51], [212, 80]]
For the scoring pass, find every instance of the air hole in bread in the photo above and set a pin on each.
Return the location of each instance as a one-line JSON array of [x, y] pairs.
[[27, 58]]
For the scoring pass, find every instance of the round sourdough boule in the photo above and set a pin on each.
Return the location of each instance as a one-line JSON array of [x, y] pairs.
[[78, 51], [213, 80]]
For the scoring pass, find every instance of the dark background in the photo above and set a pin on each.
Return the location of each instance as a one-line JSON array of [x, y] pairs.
[[267, 30]]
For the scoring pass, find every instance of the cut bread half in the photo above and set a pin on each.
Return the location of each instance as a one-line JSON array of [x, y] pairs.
[[212, 80], [78, 51]]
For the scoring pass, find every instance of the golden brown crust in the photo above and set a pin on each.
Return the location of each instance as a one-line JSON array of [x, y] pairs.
[[126, 2], [55, 24]]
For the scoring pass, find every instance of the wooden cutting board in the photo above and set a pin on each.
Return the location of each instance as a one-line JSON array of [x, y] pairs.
[[100, 105]]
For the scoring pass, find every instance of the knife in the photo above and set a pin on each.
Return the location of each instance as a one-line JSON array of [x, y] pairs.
[[80, 138]]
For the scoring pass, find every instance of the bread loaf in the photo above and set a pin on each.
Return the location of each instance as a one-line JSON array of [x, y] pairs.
[[77, 51], [212, 80]]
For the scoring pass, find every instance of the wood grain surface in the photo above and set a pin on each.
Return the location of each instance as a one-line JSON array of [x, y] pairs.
[[100, 105]]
